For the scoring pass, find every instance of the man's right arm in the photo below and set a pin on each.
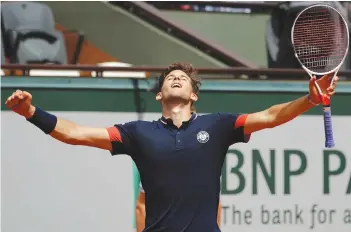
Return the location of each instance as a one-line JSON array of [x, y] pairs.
[[60, 129], [71, 133]]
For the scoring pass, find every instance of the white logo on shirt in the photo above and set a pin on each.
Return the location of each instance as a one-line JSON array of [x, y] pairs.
[[203, 137]]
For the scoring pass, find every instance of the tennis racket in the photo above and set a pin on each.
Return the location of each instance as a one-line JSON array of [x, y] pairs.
[[320, 38]]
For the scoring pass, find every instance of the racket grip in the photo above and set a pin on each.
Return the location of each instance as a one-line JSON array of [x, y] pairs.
[[328, 129]]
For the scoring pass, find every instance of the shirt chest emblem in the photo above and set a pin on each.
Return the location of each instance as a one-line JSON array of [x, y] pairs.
[[203, 137]]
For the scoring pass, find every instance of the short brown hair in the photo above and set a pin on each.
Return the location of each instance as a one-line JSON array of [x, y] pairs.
[[188, 69]]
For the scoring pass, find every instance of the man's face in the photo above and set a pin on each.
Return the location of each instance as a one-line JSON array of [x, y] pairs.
[[177, 86]]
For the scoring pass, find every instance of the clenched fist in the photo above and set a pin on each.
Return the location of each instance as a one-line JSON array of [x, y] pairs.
[[21, 103]]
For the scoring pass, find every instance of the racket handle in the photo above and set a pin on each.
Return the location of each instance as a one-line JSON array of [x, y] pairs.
[[328, 129]]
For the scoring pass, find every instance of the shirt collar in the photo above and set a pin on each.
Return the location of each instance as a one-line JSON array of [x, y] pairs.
[[170, 122]]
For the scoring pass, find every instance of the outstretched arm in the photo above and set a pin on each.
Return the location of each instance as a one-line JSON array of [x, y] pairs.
[[282, 113], [276, 115], [71, 133], [60, 129]]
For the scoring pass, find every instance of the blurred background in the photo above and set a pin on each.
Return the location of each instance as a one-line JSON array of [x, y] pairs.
[[96, 63]]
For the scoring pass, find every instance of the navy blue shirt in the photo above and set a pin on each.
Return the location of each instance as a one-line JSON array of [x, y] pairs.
[[180, 168]]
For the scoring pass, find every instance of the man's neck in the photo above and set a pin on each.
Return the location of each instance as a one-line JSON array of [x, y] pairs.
[[177, 112]]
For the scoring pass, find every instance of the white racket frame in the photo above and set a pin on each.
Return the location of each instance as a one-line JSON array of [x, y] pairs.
[[335, 70]]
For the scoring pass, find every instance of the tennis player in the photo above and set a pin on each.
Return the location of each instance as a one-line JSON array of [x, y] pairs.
[[179, 156], [140, 212]]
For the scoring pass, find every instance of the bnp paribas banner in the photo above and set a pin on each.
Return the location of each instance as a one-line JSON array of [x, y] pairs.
[[283, 180]]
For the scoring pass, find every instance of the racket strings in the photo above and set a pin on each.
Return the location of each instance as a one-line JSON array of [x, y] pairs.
[[320, 38]]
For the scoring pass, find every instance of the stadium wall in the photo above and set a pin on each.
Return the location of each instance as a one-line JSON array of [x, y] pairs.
[[241, 34], [125, 36], [284, 179]]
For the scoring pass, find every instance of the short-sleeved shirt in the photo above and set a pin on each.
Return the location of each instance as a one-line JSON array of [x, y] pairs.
[[180, 168]]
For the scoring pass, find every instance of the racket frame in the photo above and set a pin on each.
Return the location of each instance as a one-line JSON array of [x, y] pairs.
[[335, 70], [329, 140]]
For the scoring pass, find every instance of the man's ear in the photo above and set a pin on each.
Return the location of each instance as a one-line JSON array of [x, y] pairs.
[[193, 97], [158, 96]]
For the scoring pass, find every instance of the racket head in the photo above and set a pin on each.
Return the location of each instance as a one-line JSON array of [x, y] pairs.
[[320, 38]]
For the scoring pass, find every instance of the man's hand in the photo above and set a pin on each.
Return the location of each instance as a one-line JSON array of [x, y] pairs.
[[21, 103], [327, 88]]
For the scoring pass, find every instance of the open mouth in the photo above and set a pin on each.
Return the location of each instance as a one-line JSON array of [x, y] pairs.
[[176, 85]]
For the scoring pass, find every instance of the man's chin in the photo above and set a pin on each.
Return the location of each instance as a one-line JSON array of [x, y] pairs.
[[177, 98]]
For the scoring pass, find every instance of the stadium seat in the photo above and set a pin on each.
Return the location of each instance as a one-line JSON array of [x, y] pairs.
[[36, 47], [30, 34], [27, 15]]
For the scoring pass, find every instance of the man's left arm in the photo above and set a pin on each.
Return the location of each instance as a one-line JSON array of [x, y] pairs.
[[276, 115], [282, 113]]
